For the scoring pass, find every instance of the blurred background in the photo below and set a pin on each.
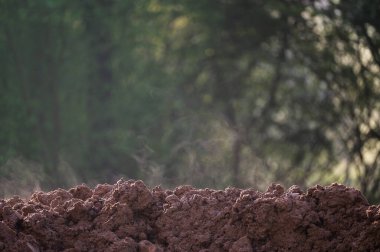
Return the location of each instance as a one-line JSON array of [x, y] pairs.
[[208, 93]]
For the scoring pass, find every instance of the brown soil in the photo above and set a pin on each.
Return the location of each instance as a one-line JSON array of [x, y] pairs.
[[128, 216]]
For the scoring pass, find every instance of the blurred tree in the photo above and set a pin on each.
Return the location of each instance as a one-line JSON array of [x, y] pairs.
[[286, 80], [235, 65], [33, 45], [342, 51], [98, 17], [211, 93]]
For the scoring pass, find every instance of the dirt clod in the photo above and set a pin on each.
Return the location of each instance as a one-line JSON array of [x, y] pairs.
[[128, 216]]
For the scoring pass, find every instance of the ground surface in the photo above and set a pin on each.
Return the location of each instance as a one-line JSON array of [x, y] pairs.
[[128, 216]]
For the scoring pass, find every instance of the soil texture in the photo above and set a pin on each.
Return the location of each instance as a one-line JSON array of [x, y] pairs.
[[128, 216]]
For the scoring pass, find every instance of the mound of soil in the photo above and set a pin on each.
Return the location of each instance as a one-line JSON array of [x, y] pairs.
[[128, 216]]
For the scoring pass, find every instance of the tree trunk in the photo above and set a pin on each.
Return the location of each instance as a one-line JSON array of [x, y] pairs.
[[100, 152], [236, 160]]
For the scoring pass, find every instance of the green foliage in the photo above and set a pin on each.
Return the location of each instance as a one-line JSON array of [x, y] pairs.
[[211, 93]]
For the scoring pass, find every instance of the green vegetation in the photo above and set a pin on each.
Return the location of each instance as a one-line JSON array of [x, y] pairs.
[[212, 93]]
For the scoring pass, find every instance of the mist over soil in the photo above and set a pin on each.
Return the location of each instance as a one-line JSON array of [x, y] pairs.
[[128, 216]]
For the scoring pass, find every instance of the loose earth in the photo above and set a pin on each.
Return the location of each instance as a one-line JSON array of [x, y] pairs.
[[128, 216]]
